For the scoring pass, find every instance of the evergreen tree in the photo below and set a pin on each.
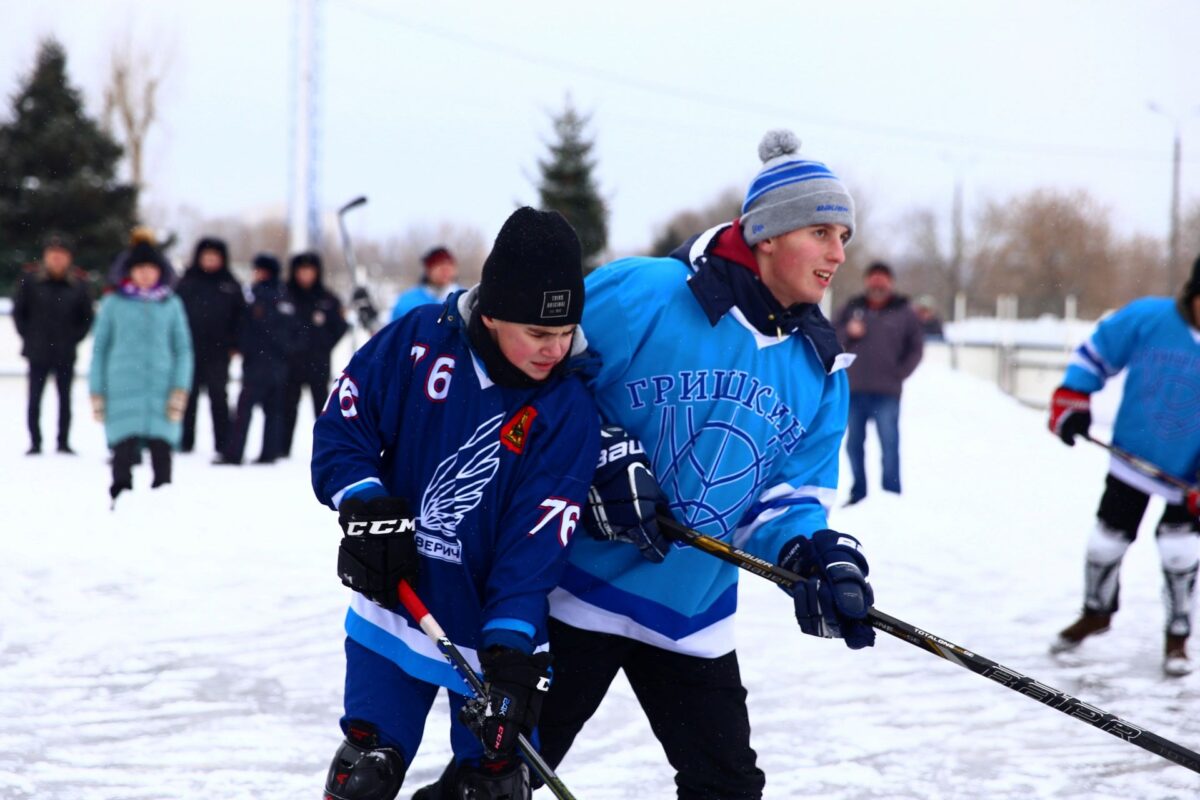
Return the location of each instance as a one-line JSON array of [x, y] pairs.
[[58, 174], [568, 184]]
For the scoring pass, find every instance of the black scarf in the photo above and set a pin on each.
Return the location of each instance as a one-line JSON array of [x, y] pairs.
[[500, 369]]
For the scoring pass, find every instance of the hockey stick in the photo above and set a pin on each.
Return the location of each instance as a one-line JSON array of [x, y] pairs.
[[1060, 701], [360, 298], [1141, 465], [429, 625]]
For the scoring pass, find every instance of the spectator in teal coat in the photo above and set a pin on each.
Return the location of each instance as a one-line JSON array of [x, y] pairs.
[[141, 369]]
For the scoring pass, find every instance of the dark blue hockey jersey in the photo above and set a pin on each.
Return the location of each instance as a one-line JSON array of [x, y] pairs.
[[496, 476]]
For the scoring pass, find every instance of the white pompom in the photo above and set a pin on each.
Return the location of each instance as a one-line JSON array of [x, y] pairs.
[[777, 143]]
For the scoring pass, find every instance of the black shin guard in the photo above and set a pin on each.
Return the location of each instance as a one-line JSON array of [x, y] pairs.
[[364, 773]]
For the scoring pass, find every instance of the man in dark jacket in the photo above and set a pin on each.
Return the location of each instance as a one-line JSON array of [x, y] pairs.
[[53, 313], [265, 338], [213, 300], [881, 329], [320, 323]]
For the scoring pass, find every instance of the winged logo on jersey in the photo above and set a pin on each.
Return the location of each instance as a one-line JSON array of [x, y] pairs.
[[456, 489]]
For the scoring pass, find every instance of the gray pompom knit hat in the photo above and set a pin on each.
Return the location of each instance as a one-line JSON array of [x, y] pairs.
[[791, 193]]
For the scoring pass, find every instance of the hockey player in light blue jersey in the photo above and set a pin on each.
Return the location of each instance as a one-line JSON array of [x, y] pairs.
[[718, 362], [458, 448], [1156, 341]]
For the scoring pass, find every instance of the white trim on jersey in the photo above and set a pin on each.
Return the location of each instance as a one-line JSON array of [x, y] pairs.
[[337, 498], [1142, 482], [821, 494]]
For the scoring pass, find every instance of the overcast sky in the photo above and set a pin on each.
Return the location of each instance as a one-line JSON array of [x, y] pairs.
[[439, 111]]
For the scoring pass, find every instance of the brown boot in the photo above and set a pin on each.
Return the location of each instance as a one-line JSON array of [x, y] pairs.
[[1090, 624], [1175, 659]]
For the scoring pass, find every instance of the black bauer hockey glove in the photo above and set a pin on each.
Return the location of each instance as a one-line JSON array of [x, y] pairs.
[[625, 497], [378, 548], [833, 598], [516, 684], [1070, 414]]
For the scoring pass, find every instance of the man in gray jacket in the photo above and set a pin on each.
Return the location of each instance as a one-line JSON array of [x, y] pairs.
[[882, 330]]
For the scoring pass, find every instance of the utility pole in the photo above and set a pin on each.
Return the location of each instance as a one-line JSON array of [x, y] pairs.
[[1173, 279], [303, 220], [956, 241]]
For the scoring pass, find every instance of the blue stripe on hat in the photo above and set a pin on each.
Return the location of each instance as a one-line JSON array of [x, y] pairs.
[[792, 172], [787, 165], [777, 185]]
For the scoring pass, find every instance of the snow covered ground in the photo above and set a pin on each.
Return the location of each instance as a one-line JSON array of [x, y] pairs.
[[188, 645]]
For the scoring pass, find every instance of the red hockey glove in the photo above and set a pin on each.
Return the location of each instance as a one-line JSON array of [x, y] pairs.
[[1193, 502], [1070, 414]]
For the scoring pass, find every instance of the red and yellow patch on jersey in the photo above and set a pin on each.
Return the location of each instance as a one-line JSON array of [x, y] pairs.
[[516, 430]]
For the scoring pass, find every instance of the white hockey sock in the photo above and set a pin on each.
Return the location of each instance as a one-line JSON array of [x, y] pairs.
[[1102, 576], [1179, 549]]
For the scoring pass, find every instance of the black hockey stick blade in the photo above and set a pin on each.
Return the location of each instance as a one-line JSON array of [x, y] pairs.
[[353, 204], [420, 614], [942, 648]]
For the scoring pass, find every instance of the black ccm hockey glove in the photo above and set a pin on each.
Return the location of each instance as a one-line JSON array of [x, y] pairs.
[[378, 547], [516, 684], [833, 599], [625, 497]]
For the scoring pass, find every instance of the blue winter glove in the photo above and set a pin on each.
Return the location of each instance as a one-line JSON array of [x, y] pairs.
[[625, 497], [833, 598]]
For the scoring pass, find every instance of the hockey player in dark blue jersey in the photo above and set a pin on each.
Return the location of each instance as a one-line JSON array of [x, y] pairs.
[[458, 447], [1156, 341], [719, 364]]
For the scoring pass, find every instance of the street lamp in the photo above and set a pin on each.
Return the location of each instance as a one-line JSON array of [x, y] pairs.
[[1173, 241]]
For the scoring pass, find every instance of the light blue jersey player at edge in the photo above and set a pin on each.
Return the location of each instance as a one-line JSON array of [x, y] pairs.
[[1156, 342]]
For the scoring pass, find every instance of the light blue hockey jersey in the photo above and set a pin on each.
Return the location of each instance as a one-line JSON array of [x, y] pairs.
[[743, 431], [1159, 417]]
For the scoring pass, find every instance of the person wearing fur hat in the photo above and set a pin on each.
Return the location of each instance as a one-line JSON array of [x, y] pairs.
[[53, 312], [141, 369], [118, 270], [1156, 342], [266, 337], [320, 324], [213, 300], [461, 437], [438, 281], [724, 393]]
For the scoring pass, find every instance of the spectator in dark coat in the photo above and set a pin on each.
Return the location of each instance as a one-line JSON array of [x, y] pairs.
[[214, 303], [53, 313], [881, 329], [320, 323], [265, 338]]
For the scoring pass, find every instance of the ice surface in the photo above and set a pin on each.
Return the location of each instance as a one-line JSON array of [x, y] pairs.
[[188, 645]]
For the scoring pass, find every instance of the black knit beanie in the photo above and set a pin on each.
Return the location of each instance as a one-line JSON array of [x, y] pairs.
[[534, 274]]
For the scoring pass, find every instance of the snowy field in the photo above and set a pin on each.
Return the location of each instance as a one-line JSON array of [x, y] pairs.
[[188, 645]]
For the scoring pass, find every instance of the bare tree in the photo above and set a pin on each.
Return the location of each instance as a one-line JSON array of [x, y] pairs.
[[927, 267], [1189, 240], [131, 96], [1140, 268], [724, 207], [1043, 247]]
